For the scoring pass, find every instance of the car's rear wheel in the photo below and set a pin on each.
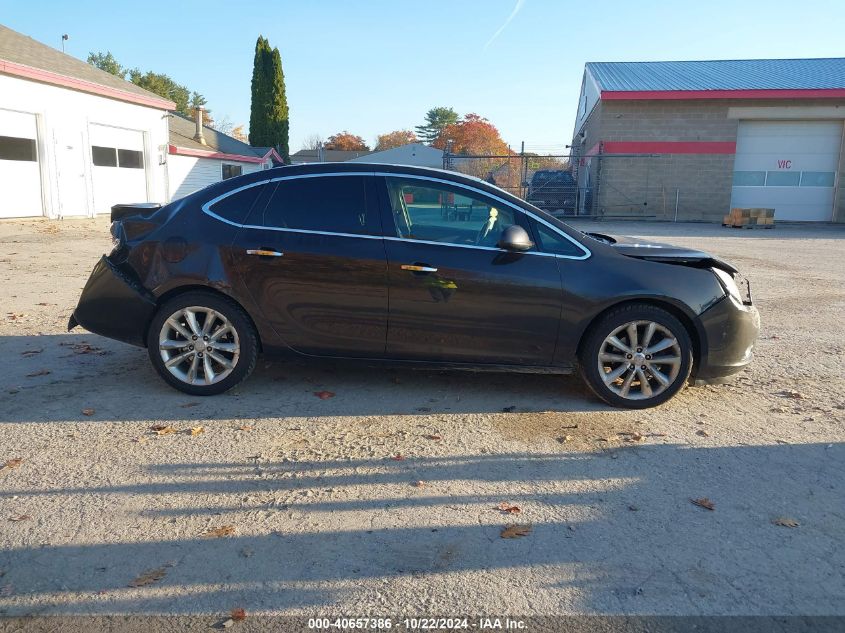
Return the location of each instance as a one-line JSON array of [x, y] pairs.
[[636, 356], [202, 343]]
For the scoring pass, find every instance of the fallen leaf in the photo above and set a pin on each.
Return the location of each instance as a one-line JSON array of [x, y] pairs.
[[227, 623], [12, 463], [702, 433], [88, 412], [515, 531], [565, 439], [140, 440], [196, 430], [324, 395], [149, 577], [245, 428], [32, 352], [161, 429], [704, 502], [40, 372], [223, 530], [15, 316], [791, 393], [418, 484], [508, 508], [188, 405], [20, 517], [786, 522], [398, 458], [85, 348], [434, 437], [238, 615], [44, 303]]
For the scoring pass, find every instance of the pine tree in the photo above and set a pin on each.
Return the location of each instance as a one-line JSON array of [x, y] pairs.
[[268, 121], [435, 120]]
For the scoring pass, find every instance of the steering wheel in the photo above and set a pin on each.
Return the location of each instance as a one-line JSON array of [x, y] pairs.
[[487, 228]]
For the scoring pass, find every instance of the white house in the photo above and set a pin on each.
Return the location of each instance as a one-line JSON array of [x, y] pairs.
[[199, 156], [73, 139], [416, 154]]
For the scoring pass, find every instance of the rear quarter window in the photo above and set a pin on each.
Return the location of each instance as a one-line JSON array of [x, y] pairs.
[[237, 206]]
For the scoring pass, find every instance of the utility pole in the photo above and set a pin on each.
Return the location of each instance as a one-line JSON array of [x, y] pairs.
[[65, 38], [523, 180]]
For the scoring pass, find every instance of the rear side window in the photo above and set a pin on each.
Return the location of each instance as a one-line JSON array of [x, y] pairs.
[[237, 206], [332, 204]]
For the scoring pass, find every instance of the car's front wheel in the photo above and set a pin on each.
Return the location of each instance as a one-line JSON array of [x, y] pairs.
[[636, 356], [202, 343]]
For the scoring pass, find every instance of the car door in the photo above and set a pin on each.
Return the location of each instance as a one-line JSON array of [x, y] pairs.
[[314, 262], [454, 295]]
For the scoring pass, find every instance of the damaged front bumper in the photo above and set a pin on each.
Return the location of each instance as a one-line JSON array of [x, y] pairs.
[[731, 331], [114, 305]]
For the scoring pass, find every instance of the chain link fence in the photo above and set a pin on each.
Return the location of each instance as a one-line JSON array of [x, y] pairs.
[[647, 186]]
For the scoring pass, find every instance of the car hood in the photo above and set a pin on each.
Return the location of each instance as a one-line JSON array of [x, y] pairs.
[[666, 253]]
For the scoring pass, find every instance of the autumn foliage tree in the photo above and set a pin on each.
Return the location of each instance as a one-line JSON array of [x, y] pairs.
[[476, 136], [395, 139], [346, 141]]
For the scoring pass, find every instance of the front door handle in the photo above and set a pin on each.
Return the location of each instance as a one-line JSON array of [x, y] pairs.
[[264, 252], [419, 268]]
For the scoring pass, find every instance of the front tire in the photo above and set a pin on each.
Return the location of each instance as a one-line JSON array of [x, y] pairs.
[[636, 356], [202, 343]]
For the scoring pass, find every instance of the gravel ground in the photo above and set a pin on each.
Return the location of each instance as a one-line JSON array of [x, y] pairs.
[[384, 498]]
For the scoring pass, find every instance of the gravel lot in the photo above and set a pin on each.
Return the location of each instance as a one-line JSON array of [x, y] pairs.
[[320, 495]]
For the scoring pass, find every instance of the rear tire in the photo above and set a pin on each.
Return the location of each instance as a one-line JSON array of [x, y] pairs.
[[636, 356], [202, 343]]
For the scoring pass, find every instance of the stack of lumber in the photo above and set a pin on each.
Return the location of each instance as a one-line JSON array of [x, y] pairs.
[[750, 218]]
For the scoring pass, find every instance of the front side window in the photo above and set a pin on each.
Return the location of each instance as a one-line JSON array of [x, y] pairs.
[[437, 212], [330, 204], [230, 171]]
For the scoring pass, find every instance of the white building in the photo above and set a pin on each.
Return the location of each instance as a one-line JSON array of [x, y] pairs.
[[416, 154], [74, 140]]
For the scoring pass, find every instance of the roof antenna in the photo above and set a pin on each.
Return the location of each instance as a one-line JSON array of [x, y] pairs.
[[65, 38]]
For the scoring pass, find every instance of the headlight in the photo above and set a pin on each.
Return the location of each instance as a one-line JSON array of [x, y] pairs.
[[728, 283]]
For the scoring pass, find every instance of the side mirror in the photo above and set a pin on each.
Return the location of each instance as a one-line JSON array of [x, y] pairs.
[[515, 238]]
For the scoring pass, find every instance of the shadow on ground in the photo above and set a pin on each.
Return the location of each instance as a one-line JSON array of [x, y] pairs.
[[618, 535]]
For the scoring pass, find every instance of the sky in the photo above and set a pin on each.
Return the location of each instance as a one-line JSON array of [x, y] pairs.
[[373, 66]]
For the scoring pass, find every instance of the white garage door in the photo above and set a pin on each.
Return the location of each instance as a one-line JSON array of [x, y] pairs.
[[20, 174], [118, 170], [789, 166]]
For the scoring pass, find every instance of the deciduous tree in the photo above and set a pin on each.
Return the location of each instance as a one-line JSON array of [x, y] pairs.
[[346, 141], [395, 139], [472, 135], [106, 61]]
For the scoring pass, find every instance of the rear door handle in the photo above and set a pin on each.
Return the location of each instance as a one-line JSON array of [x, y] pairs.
[[264, 252], [419, 268]]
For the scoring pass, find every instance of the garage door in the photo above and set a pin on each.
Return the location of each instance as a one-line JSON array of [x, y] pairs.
[[118, 166], [20, 174], [789, 166]]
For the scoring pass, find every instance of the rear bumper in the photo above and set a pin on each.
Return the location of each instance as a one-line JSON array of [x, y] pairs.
[[731, 330], [114, 306]]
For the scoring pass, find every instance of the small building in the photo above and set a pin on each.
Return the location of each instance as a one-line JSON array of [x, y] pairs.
[[199, 156], [321, 155], [74, 139], [692, 139], [417, 154]]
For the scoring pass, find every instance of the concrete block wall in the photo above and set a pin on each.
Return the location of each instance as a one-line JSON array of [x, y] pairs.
[[647, 185]]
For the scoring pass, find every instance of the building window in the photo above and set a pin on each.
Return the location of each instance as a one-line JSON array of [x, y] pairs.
[[783, 178], [230, 171], [104, 156], [749, 178], [130, 159], [817, 178], [14, 148]]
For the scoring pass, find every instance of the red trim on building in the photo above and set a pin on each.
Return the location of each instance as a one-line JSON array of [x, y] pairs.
[[199, 153], [657, 95], [669, 147], [595, 149], [274, 154], [48, 77]]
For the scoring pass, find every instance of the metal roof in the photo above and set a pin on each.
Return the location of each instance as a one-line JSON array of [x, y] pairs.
[[735, 74], [20, 49]]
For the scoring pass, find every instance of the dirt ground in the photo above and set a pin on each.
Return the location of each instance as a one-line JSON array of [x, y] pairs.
[[384, 498]]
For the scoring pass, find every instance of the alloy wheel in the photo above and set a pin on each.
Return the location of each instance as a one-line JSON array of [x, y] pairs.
[[199, 345], [639, 360]]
